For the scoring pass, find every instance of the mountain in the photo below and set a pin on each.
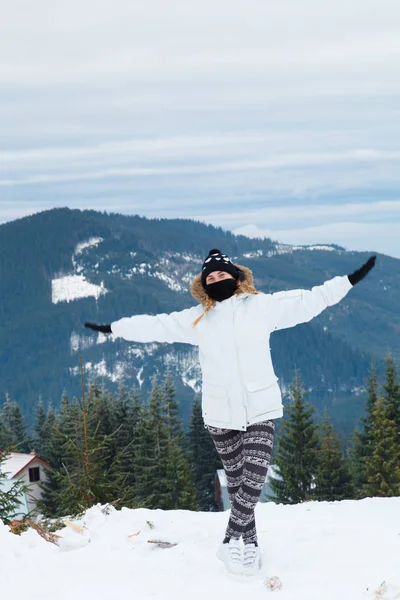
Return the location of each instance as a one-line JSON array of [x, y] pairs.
[[62, 267]]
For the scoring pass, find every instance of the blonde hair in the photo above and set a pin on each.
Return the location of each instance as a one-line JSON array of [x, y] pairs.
[[242, 288]]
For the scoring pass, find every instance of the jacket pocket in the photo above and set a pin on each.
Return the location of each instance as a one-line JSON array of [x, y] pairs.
[[215, 402], [262, 398]]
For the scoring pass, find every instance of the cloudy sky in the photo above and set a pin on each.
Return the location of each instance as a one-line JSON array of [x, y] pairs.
[[265, 117]]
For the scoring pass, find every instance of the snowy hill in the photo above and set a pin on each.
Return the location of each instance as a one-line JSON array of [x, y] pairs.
[[347, 550]]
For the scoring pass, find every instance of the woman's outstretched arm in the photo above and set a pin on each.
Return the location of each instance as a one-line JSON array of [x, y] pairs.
[[170, 328], [291, 308]]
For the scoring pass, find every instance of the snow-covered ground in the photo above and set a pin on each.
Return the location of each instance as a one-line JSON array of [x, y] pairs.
[[346, 550]]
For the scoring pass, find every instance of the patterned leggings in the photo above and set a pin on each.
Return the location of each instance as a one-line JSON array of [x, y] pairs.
[[245, 456]]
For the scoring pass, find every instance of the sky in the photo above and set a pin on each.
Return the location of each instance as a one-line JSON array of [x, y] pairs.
[[264, 118]]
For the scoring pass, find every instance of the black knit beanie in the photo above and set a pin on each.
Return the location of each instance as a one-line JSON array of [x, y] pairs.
[[216, 261]]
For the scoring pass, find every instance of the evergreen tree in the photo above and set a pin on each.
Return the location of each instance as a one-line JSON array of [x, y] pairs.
[[181, 493], [14, 423], [125, 468], [392, 392], [144, 458], [296, 457], [172, 418], [41, 431], [81, 477], [5, 434], [51, 486], [153, 487], [204, 459], [162, 471], [11, 495], [361, 443], [122, 421], [332, 477], [382, 467]]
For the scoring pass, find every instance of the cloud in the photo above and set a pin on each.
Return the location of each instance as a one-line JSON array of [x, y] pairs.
[[93, 41], [274, 162], [281, 114], [281, 215]]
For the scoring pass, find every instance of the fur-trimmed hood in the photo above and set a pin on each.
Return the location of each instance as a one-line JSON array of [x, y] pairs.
[[199, 293]]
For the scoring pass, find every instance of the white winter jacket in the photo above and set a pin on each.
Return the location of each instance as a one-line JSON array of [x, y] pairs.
[[239, 384]]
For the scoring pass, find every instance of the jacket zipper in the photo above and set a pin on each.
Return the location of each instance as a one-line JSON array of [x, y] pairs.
[[238, 361]]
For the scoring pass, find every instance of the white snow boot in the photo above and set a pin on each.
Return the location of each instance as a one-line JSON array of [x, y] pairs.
[[252, 559], [231, 555]]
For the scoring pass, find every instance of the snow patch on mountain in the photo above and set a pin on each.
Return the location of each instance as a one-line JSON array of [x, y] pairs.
[[94, 241], [66, 288], [187, 366], [256, 254], [100, 370], [252, 231], [79, 249], [80, 342], [169, 281], [139, 377], [73, 287]]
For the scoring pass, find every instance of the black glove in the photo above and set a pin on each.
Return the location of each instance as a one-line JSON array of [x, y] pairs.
[[102, 328], [362, 271]]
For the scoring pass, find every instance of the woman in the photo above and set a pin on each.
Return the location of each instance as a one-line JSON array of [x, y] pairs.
[[240, 393]]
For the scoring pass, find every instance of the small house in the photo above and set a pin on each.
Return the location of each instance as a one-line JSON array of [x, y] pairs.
[[32, 471]]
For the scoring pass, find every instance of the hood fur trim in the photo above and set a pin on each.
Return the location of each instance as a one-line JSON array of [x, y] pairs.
[[200, 294]]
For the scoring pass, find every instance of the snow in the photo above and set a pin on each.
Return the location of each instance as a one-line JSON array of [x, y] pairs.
[[80, 342], [169, 281], [95, 241], [192, 383], [256, 254], [100, 370], [139, 376], [72, 287], [345, 550]]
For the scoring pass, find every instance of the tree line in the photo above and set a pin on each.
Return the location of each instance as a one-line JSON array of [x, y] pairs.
[[311, 465], [118, 449], [129, 451]]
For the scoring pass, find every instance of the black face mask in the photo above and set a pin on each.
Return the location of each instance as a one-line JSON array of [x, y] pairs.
[[222, 290]]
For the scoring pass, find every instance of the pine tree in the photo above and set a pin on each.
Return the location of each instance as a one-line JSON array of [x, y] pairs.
[[128, 437], [14, 423], [297, 451], [151, 451], [5, 434], [332, 477], [41, 431], [382, 467], [392, 392], [181, 493], [361, 443], [204, 459], [10, 493], [121, 419], [171, 407], [81, 477], [51, 486]]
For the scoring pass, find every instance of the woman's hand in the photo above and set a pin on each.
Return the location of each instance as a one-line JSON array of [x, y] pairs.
[[362, 271], [102, 328]]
